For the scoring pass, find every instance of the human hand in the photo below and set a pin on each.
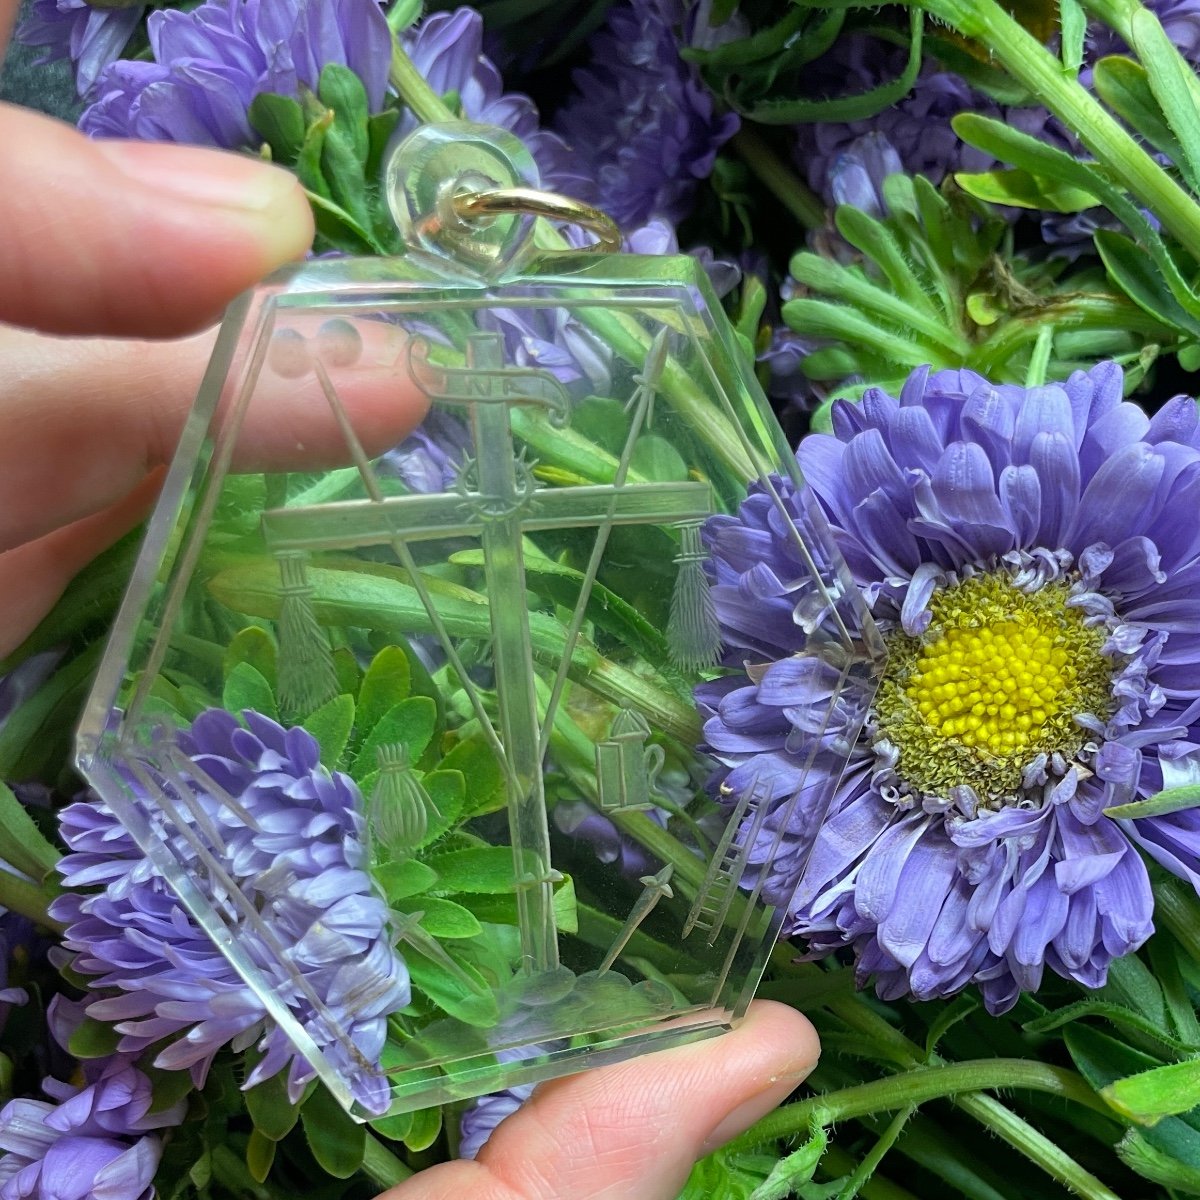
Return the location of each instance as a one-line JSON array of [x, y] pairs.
[[126, 240], [632, 1131]]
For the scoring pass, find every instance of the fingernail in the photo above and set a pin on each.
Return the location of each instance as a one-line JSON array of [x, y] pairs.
[[754, 1109], [203, 176]]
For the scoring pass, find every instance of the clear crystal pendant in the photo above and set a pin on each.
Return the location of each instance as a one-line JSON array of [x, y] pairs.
[[461, 663]]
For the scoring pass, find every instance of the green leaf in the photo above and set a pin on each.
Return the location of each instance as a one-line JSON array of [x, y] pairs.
[[1020, 189], [247, 689], [22, 844], [947, 1018], [474, 1006], [1157, 1093], [395, 1128], [412, 722], [879, 244], [331, 725], [253, 645], [605, 608], [380, 128], [796, 1168], [260, 1155], [279, 121], [846, 108], [1136, 274], [475, 760], [500, 908], [1072, 23], [1174, 86], [93, 1039], [1170, 800], [1114, 1014], [167, 1088], [337, 1142], [448, 792], [1122, 84], [442, 918], [341, 90], [603, 420], [425, 1126], [273, 1114], [403, 879], [1134, 986], [487, 869], [1136, 1151], [658, 460], [387, 682]]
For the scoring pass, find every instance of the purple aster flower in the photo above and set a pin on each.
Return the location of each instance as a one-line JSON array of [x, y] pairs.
[[428, 460], [289, 837], [93, 1141], [1031, 560], [211, 62], [642, 121], [447, 49], [90, 37], [579, 820], [481, 1116]]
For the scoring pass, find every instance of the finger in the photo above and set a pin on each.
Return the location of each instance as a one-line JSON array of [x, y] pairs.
[[8, 15], [88, 419], [134, 237], [35, 575], [633, 1131]]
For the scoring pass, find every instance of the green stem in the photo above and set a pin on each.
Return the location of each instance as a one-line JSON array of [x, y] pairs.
[[871, 1160], [780, 180], [1036, 1147], [381, 1166], [20, 896], [1030, 63], [836, 1161], [937, 1082]]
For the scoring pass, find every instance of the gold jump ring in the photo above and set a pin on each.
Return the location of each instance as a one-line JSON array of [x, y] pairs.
[[497, 202]]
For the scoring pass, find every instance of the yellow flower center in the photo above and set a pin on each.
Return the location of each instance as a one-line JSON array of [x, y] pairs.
[[996, 680]]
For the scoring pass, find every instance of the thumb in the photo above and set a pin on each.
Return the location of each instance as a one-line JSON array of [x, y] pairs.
[[134, 237], [632, 1131]]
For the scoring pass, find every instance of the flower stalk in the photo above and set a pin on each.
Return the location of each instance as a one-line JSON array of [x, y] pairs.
[[1029, 62]]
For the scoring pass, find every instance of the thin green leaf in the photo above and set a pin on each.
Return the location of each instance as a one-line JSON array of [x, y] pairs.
[[22, 844], [1174, 86], [947, 1018], [1122, 84], [1136, 274], [1072, 23], [878, 243], [1137, 1152], [1020, 189], [1171, 800], [1114, 1014], [846, 108], [819, 318], [1152, 1095], [763, 44]]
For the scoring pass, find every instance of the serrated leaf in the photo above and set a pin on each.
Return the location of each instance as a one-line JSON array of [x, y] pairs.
[[500, 908], [388, 681], [279, 121], [403, 879], [488, 869], [411, 722], [22, 844], [1115, 1015], [260, 1155], [475, 1006], [1161, 1092], [245, 688], [93, 1039], [1174, 85], [347, 671], [424, 1128], [1161, 804], [273, 1114], [1072, 24], [441, 918], [475, 760], [253, 645], [1122, 84], [1020, 189], [331, 725], [336, 1141]]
